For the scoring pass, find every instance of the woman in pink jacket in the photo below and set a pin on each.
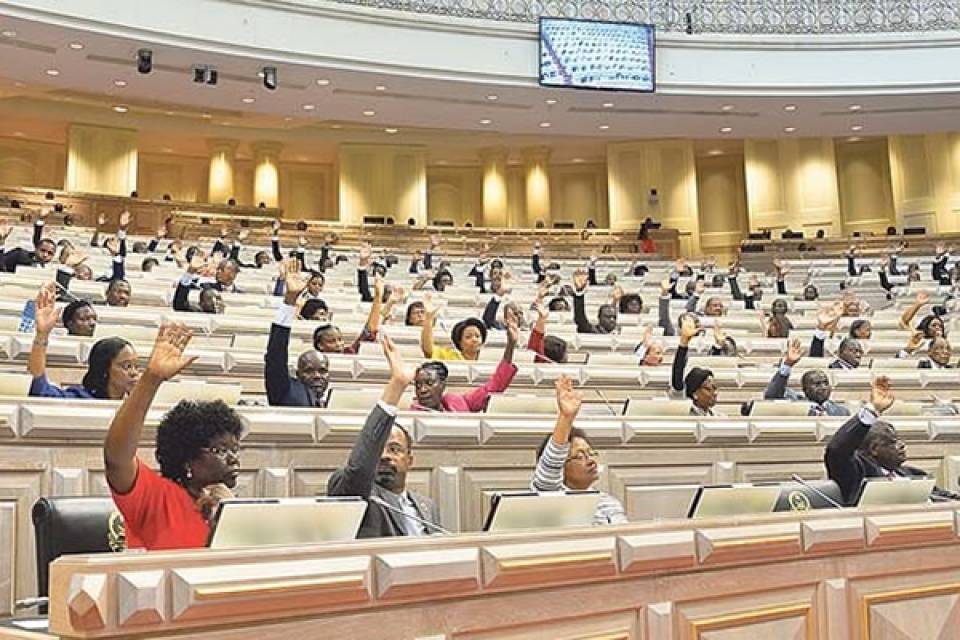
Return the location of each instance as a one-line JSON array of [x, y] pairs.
[[430, 383]]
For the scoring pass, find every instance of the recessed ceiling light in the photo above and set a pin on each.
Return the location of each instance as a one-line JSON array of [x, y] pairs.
[[551, 101], [727, 107], [441, 162], [369, 113], [608, 105], [288, 118], [715, 152], [544, 125], [169, 113], [381, 87], [19, 134], [167, 150], [493, 96], [855, 107], [76, 46], [577, 160], [856, 127], [486, 121], [789, 107], [119, 108], [604, 127], [120, 83], [53, 72], [854, 139], [206, 116], [789, 129], [19, 85], [323, 82], [248, 100], [309, 107], [390, 130], [726, 129], [9, 33], [336, 126]]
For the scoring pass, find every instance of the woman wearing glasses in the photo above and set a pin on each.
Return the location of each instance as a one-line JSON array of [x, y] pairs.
[[198, 452], [565, 459]]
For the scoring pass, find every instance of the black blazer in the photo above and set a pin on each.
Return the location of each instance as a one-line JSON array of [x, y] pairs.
[[282, 390], [358, 478]]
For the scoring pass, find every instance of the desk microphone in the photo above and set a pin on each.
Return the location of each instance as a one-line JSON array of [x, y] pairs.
[[389, 507], [834, 503]]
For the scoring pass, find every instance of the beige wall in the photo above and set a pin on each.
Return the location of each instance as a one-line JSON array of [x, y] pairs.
[[183, 177], [722, 205], [863, 172], [388, 180], [32, 164], [101, 160], [308, 191], [579, 193], [455, 193], [925, 180]]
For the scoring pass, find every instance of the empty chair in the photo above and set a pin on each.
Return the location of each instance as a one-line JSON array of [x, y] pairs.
[[647, 407], [198, 391], [15, 385], [780, 408], [500, 403]]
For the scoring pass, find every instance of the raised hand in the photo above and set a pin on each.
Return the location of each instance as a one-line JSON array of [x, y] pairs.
[[167, 359], [74, 258], [580, 279], [224, 232], [46, 310], [303, 242], [923, 298], [429, 306], [5, 231], [688, 329], [568, 398], [794, 352], [665, 287], [400, 375], [44, 212], [294, 281], [197, 263], [378, 285], [617, 293], [161, 232], [125, 219], [719, 335], [512, 326], [916, 341], [829, 315], [101, 220], [275, 226], [242, 235], [881, 395], [112, 245]]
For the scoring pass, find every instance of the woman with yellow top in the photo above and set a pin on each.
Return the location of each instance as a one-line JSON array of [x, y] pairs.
[[467, 336]]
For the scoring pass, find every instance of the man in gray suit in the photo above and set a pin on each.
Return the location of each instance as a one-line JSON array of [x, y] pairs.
[[816, 385], [379, 462]]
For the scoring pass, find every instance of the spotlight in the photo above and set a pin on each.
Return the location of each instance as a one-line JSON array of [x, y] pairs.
[[199, 75], [688, 23], [212, 76], [270, 78], [144, 60], [203, 74]]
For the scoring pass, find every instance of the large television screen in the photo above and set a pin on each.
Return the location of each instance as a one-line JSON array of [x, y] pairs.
[[589, 54]]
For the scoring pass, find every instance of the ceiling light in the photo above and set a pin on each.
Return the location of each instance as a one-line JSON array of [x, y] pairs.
[[715, 152], [604, 127], [19, 85], [493, 96], [119, 108], [167, 150], [789, 107], [336, 126], [577, 160], [390, 130], [323, 82], [9, 33], [369, 113], [120, 83], [19, 134], [854, 139], [441, 162], [248, 100], [53, 72], [169, 113], [789, 129], [551, 101], [855, 107], [224, 124], [727, 107], [309, 107], [144, 60], [608, 105], [206, 115], [76, 46], [486, 121], [380, 87], [288, 118], [269, 78], [544, 125], [726, 129], [856, 127]]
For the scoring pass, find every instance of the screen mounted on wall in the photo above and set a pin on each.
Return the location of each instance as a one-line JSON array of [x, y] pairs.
[[588, 54]]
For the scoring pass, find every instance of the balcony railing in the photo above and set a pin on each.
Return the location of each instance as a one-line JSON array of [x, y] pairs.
[[711, 16]]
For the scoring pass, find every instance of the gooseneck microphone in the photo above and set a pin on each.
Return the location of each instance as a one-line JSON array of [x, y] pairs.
[[389, 507], [799, 480]]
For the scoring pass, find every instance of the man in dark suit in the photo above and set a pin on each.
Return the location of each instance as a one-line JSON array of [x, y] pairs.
[[44, 249], [379, 462], [308, 388], [867, 447]]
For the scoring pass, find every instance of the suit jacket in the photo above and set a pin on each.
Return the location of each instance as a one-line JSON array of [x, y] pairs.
[[283, 390], [358, 478], [777, 389]]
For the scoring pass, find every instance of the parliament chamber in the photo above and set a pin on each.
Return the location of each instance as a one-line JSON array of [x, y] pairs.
[[428, 321]]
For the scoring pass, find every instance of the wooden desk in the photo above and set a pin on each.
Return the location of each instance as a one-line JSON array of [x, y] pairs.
[[826, 574]]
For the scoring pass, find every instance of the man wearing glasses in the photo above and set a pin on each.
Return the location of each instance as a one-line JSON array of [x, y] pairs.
[[565, 459]]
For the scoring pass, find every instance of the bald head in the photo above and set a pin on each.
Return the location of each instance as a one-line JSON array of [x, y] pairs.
[[313, 370]]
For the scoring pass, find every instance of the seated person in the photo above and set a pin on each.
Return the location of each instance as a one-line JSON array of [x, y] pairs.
[[606, 314], [650, 351], [868, 447], [196, 278], [416, 311], [850, 351], [861, 329], [931, 325], [778, 324], [313, 309], [44, 249], [566, 460], [198, 451], [379, 462], [939, 352], [112, 367], [430, 383], [468, 337], [548, 348], [80, 318], [815, 383], [309, 387], [698, 384], [328, 339]]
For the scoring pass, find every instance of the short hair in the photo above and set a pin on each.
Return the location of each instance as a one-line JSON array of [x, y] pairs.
[[316, 274], [101, 356], [228, 262], [436, 366], [148, 264], [456, 335], [310, 308], [627, 299], [557, 303], [849, 342], [187, 429], [554, 348], [47, 241], [856, 325], [410, 308], [575, 432], [116, 283], [877, 430], [318, 332], [406, 434], [807, 377], [73, 308], [604, 307]]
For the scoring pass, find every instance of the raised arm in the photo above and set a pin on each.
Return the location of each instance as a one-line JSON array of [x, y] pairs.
[[827, 318], [363, 275], [275, 242], [38, 225], [906, 319], [426, 331], [276, 374], [548, 475], [120, 448], [580, 279], [688, 329], [840, 452], [46, 320], [663, 319], [777, 387]]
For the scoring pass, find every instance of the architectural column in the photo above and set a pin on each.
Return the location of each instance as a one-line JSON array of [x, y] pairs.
[[537, 180], [494, 186], [220, 186], [266, 173]]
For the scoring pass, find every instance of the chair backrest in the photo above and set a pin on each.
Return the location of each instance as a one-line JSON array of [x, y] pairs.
[[63, 525], [129, 332], [645, 407], [780, 408], [713, 362], [15, 385], [174, 392], [349, 399], [511, 403], [900, 408]]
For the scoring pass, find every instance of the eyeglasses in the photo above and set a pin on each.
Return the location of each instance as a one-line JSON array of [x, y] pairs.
[[584, 456], [223, 452]]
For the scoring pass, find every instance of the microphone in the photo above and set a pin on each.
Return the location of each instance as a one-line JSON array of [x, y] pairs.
[[834, 503], [389, 507], [30, 603], [603, 397]]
